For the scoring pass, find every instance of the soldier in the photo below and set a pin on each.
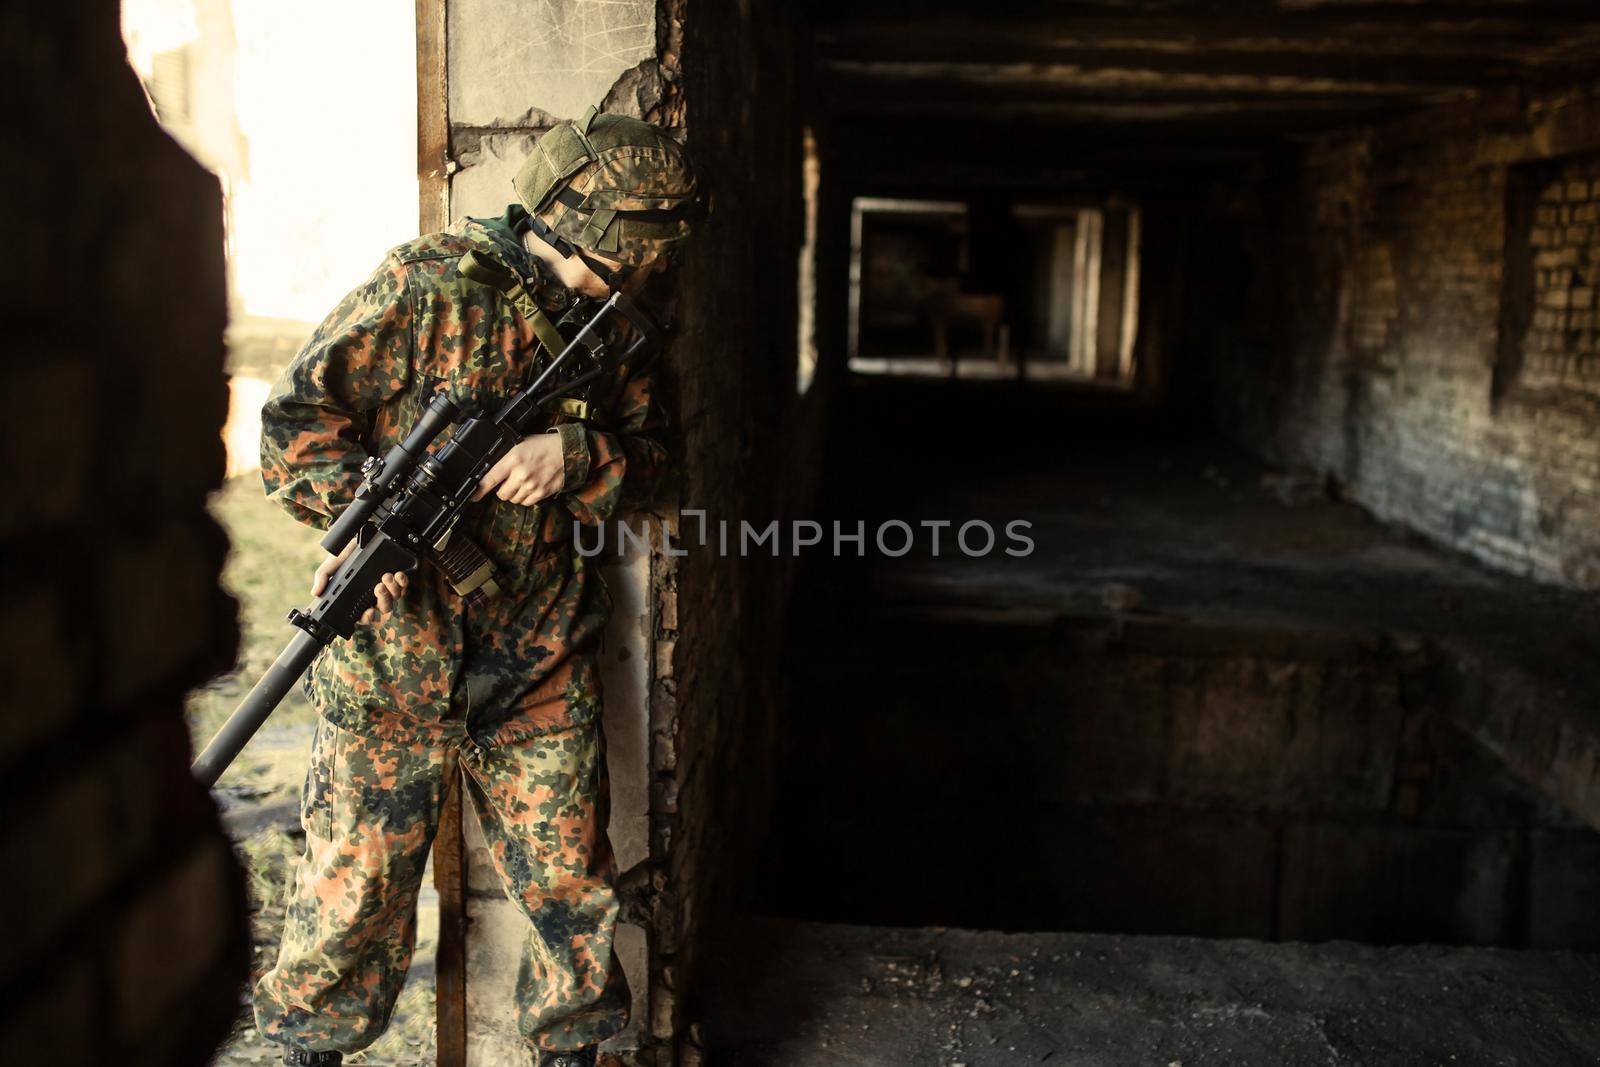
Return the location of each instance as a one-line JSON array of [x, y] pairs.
[[506, 691]]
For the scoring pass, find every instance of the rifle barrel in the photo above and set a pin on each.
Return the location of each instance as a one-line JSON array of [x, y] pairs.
[[254, 709]]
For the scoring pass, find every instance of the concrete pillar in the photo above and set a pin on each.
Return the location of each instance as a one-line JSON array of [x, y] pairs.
[[1113, 280], [722, 73], [512, 70], [1086, 292]]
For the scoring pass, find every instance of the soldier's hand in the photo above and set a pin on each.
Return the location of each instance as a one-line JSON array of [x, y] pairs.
[[531, 471], [388, 589]]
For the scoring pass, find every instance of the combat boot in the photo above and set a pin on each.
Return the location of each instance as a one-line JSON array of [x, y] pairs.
[[299, 1057]]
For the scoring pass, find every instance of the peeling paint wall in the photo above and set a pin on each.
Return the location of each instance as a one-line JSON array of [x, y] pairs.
[[515, 69], [516, 65]]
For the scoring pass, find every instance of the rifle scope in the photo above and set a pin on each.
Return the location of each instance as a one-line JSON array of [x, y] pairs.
[[389, 471]]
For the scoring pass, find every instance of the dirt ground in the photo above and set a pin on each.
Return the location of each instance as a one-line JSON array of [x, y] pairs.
[[269, 572]]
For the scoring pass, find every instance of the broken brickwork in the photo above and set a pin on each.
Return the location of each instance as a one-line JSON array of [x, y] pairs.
[[127, 941], [1561, 254]]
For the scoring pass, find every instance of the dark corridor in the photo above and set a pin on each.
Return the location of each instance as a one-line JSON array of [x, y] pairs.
[[1214, 700], [1279, 323], [1303, 647]]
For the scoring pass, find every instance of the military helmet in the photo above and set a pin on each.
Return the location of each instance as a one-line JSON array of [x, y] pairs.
[[610, 184]]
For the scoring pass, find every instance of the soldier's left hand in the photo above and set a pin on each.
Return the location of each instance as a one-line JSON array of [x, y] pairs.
[[531, 471], [386, 592]]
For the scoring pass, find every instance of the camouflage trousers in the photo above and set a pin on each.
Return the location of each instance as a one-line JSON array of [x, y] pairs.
[[370, 810]]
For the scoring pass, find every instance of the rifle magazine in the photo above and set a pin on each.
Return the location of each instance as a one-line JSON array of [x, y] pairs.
[[468, 569]]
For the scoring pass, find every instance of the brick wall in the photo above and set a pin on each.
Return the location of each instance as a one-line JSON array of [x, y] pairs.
[[502, 93], [1430, 330], [125, 939], [746, 442]]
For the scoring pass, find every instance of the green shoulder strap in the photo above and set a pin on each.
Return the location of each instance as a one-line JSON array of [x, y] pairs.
[[486, 271]]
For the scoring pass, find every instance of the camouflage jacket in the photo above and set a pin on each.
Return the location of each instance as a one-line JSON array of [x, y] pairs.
[[524, 662]]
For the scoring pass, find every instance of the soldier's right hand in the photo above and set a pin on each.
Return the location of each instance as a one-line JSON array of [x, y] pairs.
[[388, 589]]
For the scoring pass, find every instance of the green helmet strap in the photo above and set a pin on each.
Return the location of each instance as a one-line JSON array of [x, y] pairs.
[[614, 277]]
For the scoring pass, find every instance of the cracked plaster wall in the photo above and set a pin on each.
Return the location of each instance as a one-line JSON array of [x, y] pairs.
[[516, 64]]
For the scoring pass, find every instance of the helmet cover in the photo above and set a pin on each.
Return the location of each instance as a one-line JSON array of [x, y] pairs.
[[611, 184]]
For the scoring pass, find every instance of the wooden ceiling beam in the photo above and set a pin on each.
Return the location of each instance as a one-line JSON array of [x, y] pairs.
[[1049, 147], [890, 51], [1240, 118], [842, 77], [1208, 18], [1263, 68], [851, 94]]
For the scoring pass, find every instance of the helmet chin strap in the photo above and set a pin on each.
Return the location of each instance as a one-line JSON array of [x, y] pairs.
[[614, 277]]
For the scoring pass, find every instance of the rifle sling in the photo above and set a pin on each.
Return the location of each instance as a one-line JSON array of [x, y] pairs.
[[480, 269]]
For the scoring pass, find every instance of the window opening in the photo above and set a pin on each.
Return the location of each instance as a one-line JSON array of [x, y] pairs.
[[1054, 295]]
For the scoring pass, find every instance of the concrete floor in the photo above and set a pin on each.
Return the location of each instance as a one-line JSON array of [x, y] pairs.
[[814, 995], [1194, 527]]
